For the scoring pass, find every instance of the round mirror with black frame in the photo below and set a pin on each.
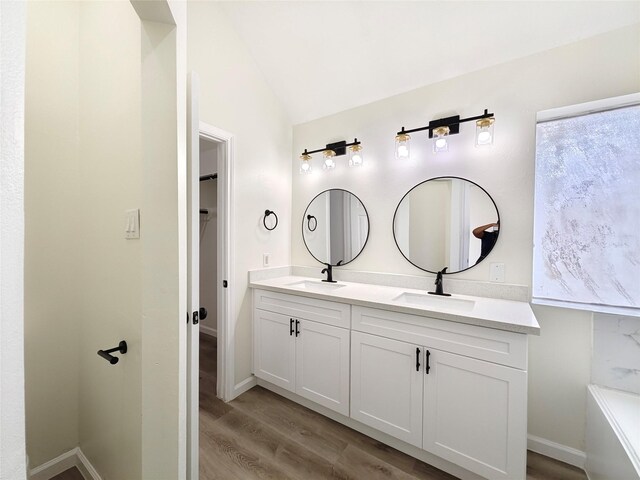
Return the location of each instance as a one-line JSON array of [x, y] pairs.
[[335, 227], [447, 222]]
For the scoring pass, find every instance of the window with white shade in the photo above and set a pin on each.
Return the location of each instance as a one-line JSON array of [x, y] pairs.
[[587, 206]]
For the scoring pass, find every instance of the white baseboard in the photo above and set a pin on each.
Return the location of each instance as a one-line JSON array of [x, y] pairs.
[[560, 452], [87, 470], [54, 467], [213, 332], [70, 459], [243, 386]]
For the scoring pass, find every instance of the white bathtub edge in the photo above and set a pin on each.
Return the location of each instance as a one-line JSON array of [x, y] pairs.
[[609, 453]]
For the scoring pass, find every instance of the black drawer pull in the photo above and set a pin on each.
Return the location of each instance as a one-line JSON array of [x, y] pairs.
[[290, 326], [417, 359], [297, 327], [427, 367]]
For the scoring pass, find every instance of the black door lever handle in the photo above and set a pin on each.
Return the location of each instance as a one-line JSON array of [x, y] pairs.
[[203, 313], [106, 354]]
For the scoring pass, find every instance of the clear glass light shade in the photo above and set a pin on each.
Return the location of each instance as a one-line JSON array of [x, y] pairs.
[[355, 156], [440, 141], [305, 164], [329, 162], [484, 132], [403, 151]]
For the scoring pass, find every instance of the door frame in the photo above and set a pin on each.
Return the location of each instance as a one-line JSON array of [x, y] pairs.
[[225, 314], [226, 307]]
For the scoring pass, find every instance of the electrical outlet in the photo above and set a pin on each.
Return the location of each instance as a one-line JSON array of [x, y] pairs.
[[266, 257], [497, 272]]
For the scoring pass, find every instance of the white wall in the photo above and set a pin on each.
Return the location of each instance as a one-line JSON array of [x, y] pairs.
[[235, 97], [12, 66], [603, 66], [105, 131], [52, 230], [432, 203], [109, 294]]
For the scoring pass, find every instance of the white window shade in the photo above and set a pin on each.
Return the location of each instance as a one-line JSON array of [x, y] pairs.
[[587, 206]]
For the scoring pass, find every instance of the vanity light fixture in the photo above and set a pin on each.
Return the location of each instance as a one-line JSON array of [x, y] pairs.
[[329, 162], [355, 155], [305, 165], [402, 146], [331, 151], [442, 128], [484, 131], [440, 142]]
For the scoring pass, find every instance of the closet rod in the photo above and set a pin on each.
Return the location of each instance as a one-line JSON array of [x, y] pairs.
[[211, 176]]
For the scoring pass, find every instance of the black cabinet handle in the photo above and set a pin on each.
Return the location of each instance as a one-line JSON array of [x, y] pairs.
[[417, 359], [297, 327], [427, 367], [290, 326]]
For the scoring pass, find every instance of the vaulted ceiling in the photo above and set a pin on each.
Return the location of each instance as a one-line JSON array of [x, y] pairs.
[[322, 57]]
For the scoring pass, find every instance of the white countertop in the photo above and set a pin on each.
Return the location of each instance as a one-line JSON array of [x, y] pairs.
[[486, 312]]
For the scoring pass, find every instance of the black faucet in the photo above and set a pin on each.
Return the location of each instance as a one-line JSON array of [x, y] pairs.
[[439, 289], [329, 272]]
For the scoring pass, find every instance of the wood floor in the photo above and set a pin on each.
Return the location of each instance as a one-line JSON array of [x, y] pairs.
[[72, 474], [261, 435]]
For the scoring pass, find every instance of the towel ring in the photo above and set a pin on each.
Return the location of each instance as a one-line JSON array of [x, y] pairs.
[[315, 223], [264, 219]]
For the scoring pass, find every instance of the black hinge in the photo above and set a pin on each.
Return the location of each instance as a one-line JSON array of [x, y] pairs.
[[224, 283], [195, 318]]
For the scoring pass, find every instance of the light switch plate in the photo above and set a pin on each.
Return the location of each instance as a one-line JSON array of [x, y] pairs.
[[497, 272], [132, 224]]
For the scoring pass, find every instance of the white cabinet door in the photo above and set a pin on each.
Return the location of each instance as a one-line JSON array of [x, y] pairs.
[[386, 386], [322, 365], [475, 415], [274, 349]]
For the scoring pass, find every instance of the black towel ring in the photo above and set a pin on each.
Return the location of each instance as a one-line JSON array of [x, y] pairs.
[[264, 219], [315, 223]]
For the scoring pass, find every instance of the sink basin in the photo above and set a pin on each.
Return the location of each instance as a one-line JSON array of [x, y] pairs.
[[426, 300], [317, 285]]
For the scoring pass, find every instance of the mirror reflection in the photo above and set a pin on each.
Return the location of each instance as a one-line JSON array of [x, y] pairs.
[[446, 222], [335, 227]]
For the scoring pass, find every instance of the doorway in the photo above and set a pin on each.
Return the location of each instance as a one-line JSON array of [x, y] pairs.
[[210, 355]]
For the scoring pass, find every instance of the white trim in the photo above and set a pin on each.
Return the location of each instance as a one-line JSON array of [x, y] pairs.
[[560, 452], [226, 306], [244, 386], [87, 470], [55, 466], [589, 307], [600, 396], [588, 108], [212, 332], [72, 458]]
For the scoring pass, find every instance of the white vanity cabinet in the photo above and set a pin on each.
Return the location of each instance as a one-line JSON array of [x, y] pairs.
[[475, 414], [386, 386], [441, 387], [436, 389], [305, 348]]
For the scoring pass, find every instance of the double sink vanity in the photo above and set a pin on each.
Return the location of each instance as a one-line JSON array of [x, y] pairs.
[[441, 378], [444, 375]]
